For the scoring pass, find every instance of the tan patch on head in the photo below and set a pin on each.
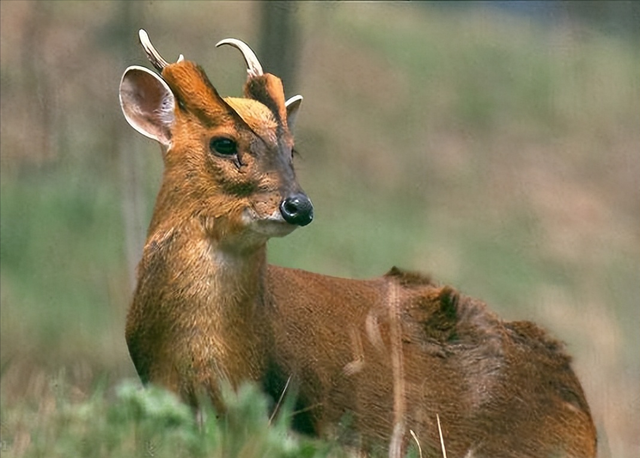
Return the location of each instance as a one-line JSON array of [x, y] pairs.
[[257, 116]]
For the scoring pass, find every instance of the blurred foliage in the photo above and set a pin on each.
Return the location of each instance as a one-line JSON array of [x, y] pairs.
[[496, 149]]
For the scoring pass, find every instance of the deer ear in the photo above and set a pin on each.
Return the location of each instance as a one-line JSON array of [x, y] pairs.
[[147, 103], [293, 106]]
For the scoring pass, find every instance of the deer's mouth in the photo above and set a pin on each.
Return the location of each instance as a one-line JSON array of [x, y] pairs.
[[272, 225]]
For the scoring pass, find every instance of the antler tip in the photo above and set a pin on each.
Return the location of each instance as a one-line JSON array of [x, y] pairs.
[[154, 57], [226, 41]]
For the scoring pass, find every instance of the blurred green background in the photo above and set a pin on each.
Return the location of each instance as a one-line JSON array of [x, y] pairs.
[[495, 145]]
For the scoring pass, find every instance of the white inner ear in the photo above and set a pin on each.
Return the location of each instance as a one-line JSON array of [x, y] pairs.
[[293, 106], [147, 103]]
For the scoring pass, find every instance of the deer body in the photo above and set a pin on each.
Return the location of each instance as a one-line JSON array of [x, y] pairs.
[[390, 355]]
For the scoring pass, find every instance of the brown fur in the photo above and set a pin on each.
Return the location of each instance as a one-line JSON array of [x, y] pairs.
[[385, 355]]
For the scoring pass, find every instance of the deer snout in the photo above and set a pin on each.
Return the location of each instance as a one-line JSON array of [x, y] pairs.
[[297, 209]]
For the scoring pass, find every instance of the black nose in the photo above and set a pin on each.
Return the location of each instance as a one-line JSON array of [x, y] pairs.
[[297, 209]]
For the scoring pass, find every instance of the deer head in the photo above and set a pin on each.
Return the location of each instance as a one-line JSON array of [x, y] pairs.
[[228, 161]]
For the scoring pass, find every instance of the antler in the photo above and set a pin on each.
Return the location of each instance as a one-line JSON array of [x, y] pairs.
[[154, 57], [253, 64]]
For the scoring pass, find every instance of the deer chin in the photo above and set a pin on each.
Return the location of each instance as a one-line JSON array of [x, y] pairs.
[[272, 225]]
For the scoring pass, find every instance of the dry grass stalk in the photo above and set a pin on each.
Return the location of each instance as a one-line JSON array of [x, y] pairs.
[[444, 450], [415, 438], [399, 404], [277, 407]]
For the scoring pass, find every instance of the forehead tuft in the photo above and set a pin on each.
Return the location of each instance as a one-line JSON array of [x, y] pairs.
[[191, 86]]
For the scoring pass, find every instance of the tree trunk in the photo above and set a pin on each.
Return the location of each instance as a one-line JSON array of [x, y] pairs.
[[279, 44]]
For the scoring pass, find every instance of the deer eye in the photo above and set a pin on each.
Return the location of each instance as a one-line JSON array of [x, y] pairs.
[[223, 146]]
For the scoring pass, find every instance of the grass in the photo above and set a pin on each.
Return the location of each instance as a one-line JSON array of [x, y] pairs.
[[131, 421], [497, 153]]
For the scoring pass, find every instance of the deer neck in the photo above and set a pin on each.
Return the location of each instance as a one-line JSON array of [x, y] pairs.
[[237, 277], [228, 282], [210, 306]]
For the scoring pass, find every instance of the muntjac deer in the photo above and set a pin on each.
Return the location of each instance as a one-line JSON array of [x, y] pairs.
[[398, 357]]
